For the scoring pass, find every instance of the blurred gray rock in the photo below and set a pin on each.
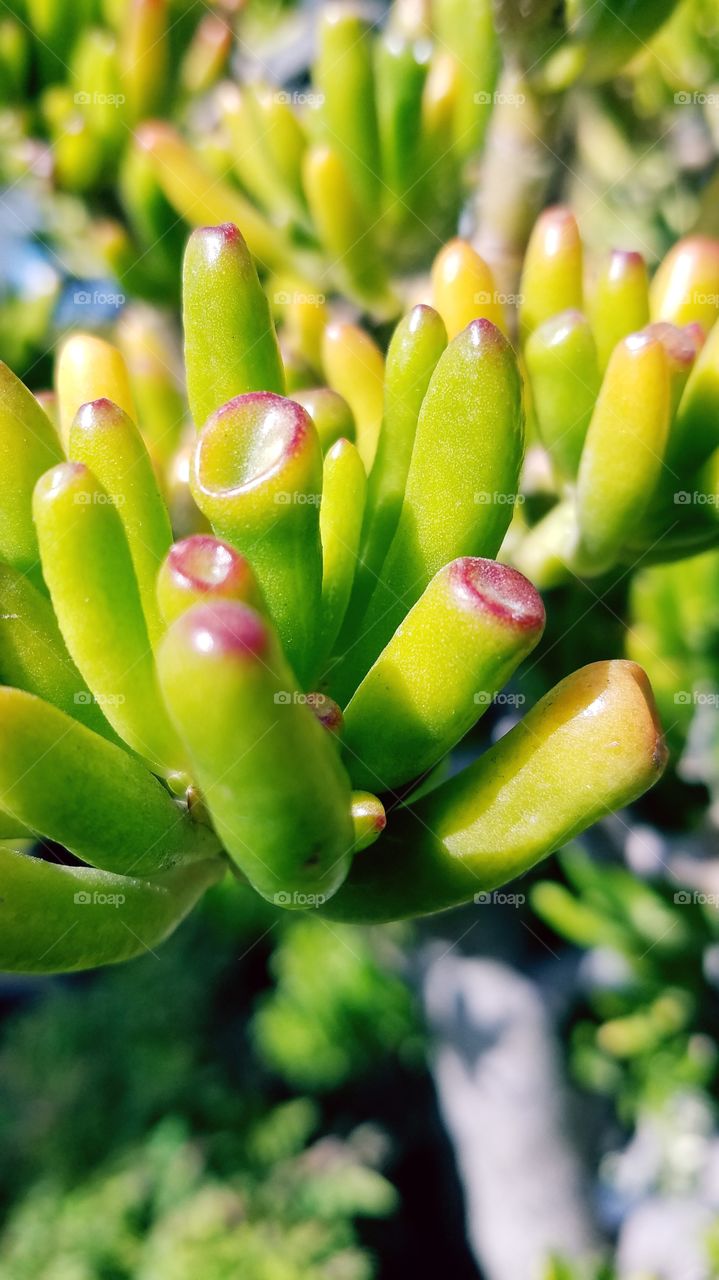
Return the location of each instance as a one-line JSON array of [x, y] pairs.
[[664, 1238], [497, 1071]]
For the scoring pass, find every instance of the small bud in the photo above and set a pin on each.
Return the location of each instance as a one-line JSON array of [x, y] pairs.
[[369, 819], [257, 476], [88, 368]]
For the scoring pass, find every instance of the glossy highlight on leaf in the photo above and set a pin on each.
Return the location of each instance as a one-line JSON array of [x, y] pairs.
[[257, 476]]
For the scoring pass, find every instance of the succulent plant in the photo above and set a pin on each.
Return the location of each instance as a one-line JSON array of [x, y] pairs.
[[172, 711], [622, 381], [652, 1031], [344, 179], [446, 112], [80, 79], [673, 628], [349, 182], [554, 57], [655, 127]]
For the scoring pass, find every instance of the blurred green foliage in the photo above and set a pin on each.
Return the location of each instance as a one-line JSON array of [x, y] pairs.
[[333, 1011], [149, 1139], [561, 1269], [161, 1210], [674, 634], [652, 1023], [645, 145]]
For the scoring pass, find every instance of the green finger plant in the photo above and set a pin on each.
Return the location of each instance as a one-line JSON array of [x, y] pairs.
[[344, 184], [622, 375], [348, 181], [673, 630], [90, 73], [352, 180], [271, 696], [441, 110], [555, 61]]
